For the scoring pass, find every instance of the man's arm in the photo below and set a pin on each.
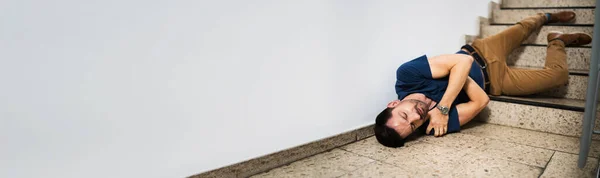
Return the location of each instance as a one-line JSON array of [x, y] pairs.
[[479, 99], [457, 67]]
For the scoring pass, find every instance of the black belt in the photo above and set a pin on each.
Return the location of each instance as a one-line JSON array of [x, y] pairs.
[[482, 64]]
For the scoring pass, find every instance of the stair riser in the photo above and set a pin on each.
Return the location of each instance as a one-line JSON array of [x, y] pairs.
[[537, 37], [547, 3], [535, 56], [512, 16], [574, 90], [557, 121]]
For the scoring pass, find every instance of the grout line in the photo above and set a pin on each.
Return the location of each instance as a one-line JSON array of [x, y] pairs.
[[378, 159], [546, 166]]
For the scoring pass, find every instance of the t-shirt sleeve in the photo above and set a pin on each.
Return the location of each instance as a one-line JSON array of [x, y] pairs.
[[414, 71], [453, 122]]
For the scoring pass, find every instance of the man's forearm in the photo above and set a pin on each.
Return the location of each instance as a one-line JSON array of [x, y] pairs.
[[476, 93], [479, 99], [457, 78]]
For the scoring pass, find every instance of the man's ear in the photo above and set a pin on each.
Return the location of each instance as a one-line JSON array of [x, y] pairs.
[[393, 103]]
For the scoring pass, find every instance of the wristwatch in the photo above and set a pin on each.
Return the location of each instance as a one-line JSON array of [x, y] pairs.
[[445, 110]]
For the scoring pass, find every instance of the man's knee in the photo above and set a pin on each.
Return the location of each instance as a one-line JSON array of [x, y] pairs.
[[561, 76]]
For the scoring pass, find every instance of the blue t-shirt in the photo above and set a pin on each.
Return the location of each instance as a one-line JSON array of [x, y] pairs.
[[415, 77]]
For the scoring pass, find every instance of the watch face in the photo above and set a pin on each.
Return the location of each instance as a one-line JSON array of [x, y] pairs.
[[444, 109]]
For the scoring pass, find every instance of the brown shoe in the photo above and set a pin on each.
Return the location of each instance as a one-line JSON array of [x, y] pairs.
[[562, 17], [570, 39]]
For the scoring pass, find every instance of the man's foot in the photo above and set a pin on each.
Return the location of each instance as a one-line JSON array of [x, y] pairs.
[[570, 39], [562, 17]]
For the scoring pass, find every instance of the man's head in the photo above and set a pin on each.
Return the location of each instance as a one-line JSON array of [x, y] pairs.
[[398, 120]]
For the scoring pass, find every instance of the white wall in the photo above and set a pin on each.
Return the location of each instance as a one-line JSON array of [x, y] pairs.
[[147, 88]]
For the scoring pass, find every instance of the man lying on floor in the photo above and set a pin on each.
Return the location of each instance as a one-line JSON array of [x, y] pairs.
[[439, 94]]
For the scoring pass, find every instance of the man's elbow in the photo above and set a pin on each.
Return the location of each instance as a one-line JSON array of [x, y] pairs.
[[468, 59], [484, 101]]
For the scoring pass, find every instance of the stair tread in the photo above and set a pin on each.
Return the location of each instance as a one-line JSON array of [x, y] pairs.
[[571, 71], [544, 101], [585, 16], [547, 3]]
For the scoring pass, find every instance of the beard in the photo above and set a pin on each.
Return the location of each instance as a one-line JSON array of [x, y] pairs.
[[420, 105]]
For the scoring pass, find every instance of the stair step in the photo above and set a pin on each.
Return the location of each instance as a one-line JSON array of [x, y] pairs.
[[574, 90], [537, 37], [585, 16], [535, 56], [557, 103], [571, 72], [547, 3], [538, 118]]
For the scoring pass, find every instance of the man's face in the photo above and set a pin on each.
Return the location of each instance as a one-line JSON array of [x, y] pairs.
[[407, 115]]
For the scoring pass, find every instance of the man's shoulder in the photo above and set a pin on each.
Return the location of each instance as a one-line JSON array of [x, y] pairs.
[[416, 61], [415, 69]]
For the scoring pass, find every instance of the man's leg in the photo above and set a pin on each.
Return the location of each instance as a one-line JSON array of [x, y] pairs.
[[555, 72], [529, 81], [503, 43], [495, 49]]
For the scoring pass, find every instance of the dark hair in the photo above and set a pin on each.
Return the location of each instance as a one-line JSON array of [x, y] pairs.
[[385, 135]]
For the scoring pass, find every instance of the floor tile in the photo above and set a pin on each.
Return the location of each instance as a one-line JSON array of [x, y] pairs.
[[428, 160], [457, 140], [565, 165], [423, 159], [330, 164], [494, 148], [482, 166], [376, 170], [371, 148], [530, 138], [513, 152]]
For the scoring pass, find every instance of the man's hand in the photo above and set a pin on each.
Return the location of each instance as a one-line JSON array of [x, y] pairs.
[[438, 122]]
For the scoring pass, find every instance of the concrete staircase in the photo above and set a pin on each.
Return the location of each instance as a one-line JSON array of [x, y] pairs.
[[559, 111], [533, 136]]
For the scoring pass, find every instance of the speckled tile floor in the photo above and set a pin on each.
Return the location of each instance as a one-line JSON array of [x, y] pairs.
[[480, 150]]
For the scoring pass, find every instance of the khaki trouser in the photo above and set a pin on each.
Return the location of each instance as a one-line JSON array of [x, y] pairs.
[[510, 81]]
